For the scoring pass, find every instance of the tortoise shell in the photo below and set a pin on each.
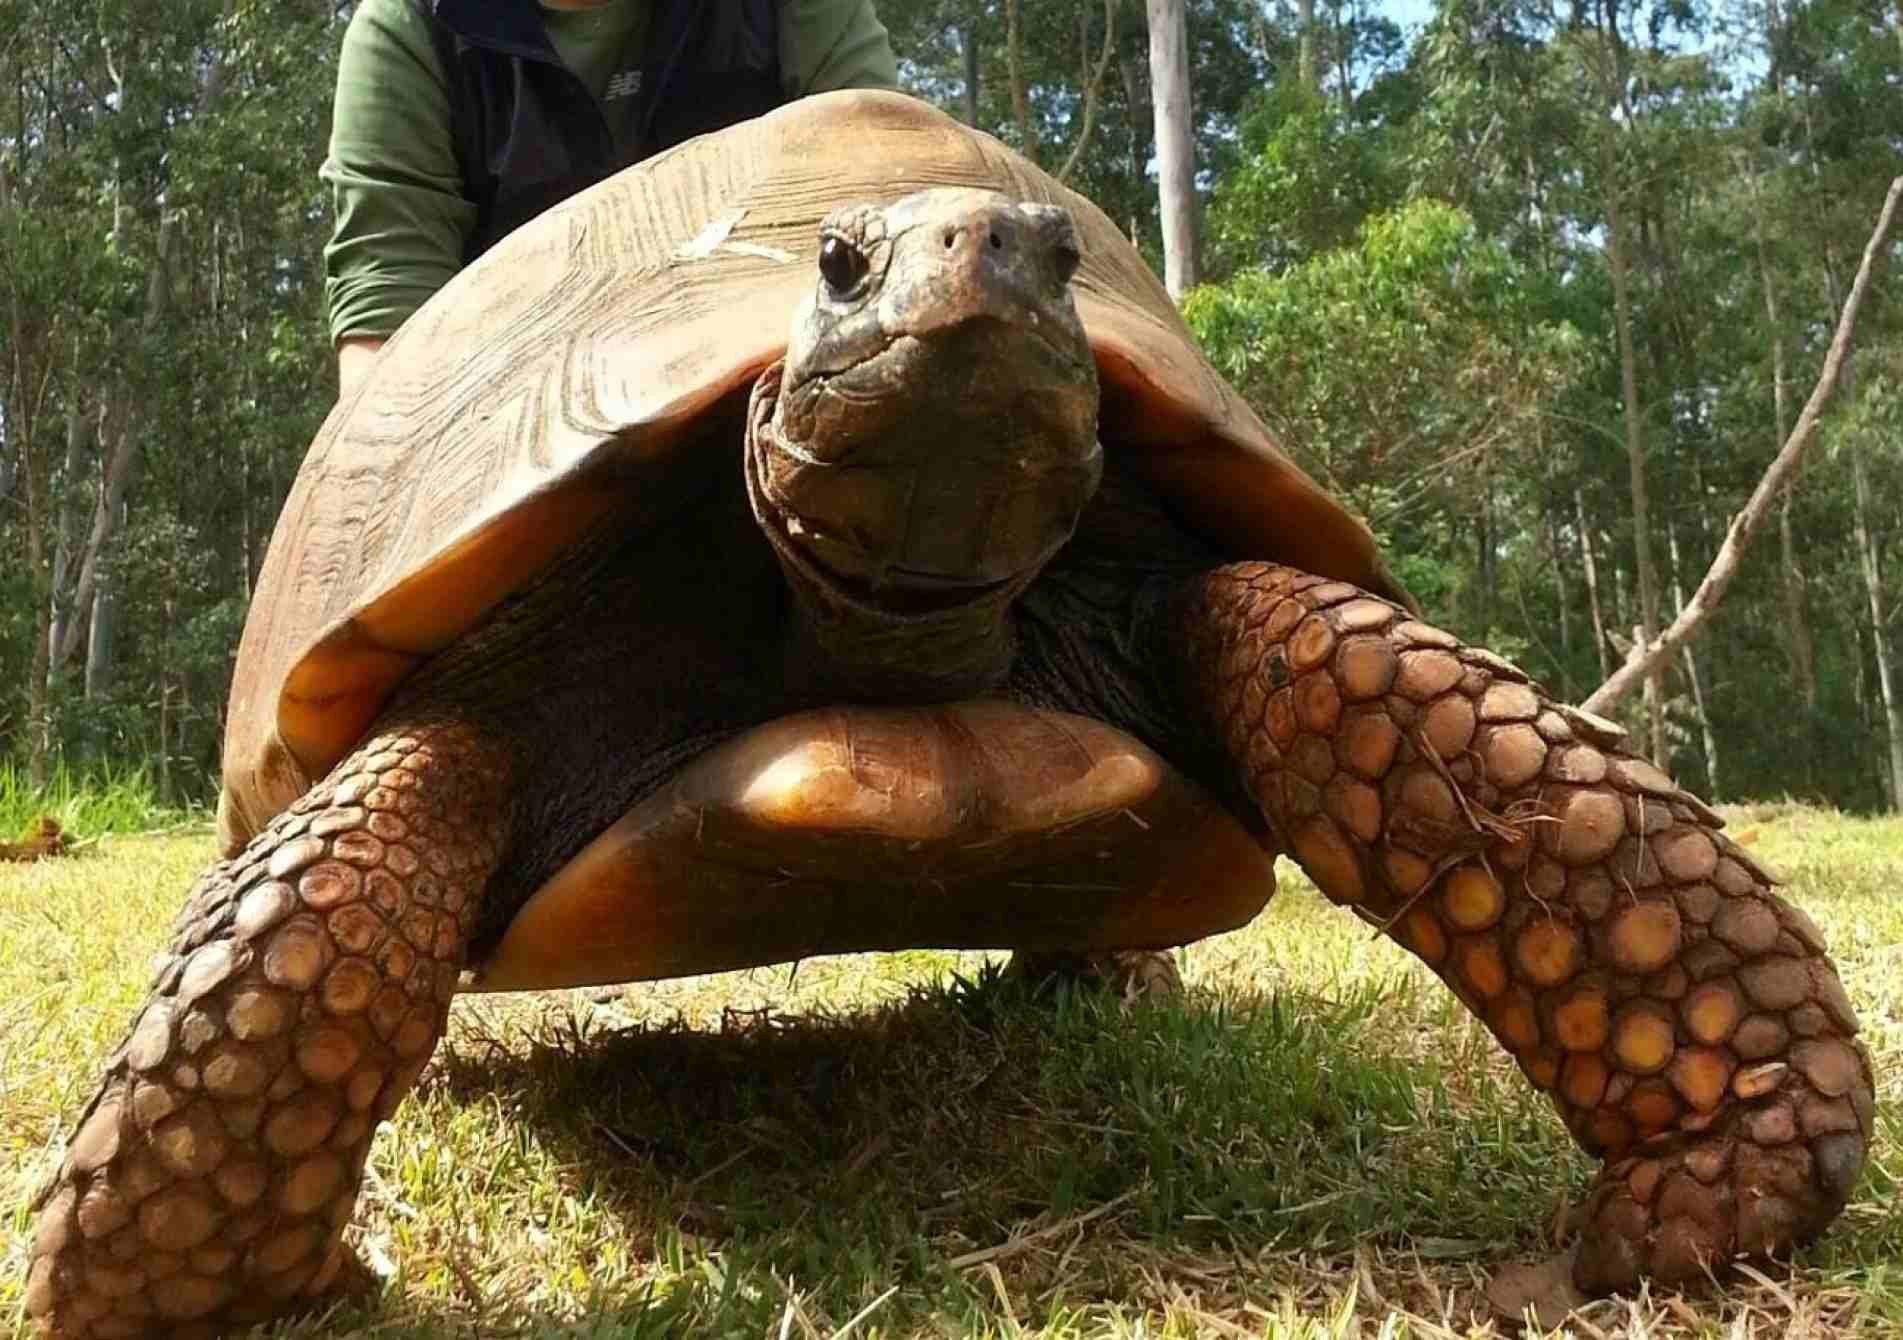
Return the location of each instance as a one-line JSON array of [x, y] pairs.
[[550, 381]]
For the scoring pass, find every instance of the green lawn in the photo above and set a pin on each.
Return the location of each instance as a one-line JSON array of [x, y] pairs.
[[1318, 1142]]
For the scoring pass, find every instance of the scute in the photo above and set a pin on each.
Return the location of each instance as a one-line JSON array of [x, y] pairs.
[[551, 380]]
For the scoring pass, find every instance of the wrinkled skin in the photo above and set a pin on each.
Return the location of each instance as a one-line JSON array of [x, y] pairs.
[[906, 536], [923, 513]]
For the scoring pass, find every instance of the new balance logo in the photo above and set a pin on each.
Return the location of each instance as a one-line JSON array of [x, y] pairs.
[[624, 85]]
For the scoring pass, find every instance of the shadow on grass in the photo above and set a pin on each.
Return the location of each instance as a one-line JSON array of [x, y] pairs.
[[1069, 1144]]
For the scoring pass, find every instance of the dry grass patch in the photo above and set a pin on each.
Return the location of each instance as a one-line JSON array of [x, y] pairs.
[[1318, 1143]]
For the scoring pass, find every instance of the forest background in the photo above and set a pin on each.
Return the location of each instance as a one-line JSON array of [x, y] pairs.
[[1538, 286]]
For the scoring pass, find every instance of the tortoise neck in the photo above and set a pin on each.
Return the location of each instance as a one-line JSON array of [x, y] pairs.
[[841, 651], [842, 646]]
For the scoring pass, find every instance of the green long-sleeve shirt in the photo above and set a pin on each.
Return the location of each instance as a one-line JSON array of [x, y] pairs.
[[401, 217]]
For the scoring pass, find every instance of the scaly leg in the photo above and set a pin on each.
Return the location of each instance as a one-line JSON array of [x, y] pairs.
[[1131, 974], [1684, 1019], [211, 1177]]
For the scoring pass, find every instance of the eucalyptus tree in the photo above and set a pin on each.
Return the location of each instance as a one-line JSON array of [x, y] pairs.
[[164, 357]]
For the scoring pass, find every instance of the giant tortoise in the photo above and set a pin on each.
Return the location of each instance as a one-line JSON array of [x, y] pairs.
[[826, 536]]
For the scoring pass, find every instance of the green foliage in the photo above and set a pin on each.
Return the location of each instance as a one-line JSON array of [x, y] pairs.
[[1872, 421], [1398, 370], [1457, 375], [1409, 281], [1307, 179], [1232, 51], [87, 803], [160, 243]]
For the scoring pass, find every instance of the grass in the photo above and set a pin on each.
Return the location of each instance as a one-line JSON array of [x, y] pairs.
[[1317, 1143], [87, 803]]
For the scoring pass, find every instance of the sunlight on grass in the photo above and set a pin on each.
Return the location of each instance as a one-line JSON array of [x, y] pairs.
[[124, 801], [1318, 1143]]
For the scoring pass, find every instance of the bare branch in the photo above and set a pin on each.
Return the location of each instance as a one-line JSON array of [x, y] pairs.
[[1092, 84], [1725, 566], [1020, 94]]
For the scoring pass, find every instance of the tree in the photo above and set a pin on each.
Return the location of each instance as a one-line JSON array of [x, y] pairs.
[[1648, 654], [1406, 270], [159, 269], [1403, 372], [1175, 157]]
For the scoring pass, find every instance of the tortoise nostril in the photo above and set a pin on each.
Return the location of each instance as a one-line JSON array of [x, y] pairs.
[[997, 243], [951, 236]]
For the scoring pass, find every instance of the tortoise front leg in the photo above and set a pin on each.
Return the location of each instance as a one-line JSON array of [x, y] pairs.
[[1634, 961], [211, 1176]]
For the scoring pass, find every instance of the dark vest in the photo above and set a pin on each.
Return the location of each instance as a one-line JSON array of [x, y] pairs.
[[527, 132]]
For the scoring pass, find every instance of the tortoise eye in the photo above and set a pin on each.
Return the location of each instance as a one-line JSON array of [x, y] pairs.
[[841, 264]]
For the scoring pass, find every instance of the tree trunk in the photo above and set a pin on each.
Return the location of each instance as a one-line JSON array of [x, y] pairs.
[[92, 604], [968, 40], [1591, 566], [39, 723], [1561, 602], [1344, 67], [1796, 630], [1873, 588], [1635, 460], [1305, 45], [1724, 567], [21, 421], [1707, 739], [1131, 72], [116, 474], [25, 402], [116, 471], [1487, 586], [1264, 41], [1175, 150], [246, 541], [1140, 134], [1860, 695], [102, 636], [165, 716], [74, 466], [1014, 69], [1092, 78]]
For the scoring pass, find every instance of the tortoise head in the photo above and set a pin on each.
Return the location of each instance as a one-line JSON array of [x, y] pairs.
[[931, 436]]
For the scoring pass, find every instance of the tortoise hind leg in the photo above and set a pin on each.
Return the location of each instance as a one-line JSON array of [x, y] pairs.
[[1129, 974], [211, 1177], [1684, 1019]]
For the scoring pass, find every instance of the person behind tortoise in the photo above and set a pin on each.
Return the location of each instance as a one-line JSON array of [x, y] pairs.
[[458, 120]]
